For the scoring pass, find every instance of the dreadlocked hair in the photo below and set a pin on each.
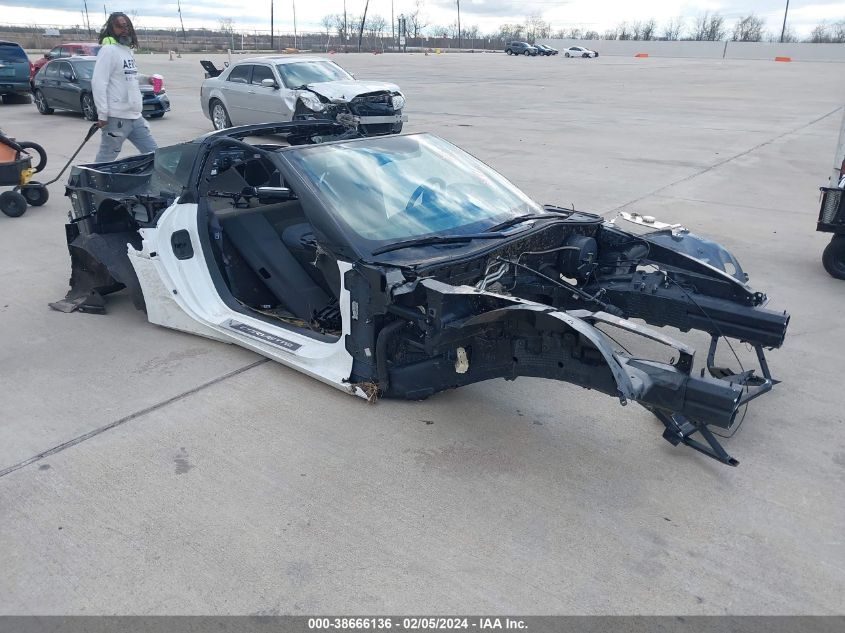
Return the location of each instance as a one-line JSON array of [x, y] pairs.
[[108, 29]]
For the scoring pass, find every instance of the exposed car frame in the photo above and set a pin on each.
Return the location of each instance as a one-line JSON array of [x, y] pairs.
[[408, 320]]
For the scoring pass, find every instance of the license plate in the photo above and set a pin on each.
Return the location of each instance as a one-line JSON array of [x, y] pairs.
[[7, 72]]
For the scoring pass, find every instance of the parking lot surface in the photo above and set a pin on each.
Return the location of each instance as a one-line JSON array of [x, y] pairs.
[[146, 471]]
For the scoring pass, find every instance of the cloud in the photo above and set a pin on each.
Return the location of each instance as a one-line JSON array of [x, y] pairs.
[[488, 15]]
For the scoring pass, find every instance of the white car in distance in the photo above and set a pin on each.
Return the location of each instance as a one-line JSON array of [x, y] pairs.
[[579, 51]]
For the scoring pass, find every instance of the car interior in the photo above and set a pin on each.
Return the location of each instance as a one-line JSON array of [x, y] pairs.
[[264, 245]]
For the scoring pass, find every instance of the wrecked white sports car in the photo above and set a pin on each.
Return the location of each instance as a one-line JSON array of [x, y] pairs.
[[400, 266], [284, 88]]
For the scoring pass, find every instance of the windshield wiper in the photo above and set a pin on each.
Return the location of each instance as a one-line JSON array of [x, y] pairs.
[[438, 239], [525, 218]]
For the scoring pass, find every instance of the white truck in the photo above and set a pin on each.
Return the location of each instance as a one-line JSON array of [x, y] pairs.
[[832, 212]]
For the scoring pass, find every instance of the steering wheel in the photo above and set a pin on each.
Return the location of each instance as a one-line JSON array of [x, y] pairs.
[[425, 193]]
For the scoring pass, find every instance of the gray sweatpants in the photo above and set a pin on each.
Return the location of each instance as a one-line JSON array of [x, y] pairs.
[[137, 131]]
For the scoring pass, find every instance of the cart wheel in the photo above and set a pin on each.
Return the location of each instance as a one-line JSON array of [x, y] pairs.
[[35, 193], [833, 257], [12, 204], [42, 155]]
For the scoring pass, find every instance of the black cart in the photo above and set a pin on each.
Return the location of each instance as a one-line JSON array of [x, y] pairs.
[[16, 171]]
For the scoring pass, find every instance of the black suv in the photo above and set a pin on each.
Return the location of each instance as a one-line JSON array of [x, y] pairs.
[[14, 73], [520, 48]]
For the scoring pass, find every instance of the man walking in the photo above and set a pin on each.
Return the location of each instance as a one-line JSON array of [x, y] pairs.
[[117, 94]]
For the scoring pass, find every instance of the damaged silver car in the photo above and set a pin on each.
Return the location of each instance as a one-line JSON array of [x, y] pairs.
[[284, 87], [401, 266]]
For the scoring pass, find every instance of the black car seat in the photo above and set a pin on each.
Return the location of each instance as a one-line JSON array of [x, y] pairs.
[[262, 247]]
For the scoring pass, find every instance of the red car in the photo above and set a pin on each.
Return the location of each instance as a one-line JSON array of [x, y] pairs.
[[65, 50]]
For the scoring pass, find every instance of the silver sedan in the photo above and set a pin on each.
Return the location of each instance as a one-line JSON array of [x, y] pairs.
[[282, 88]]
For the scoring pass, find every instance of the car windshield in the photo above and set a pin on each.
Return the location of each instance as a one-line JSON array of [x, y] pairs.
[[12, 53], [394, 188], [84, 70], [304, 73]]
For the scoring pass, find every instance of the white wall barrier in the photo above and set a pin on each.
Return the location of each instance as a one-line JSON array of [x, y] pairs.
[[798, 51]]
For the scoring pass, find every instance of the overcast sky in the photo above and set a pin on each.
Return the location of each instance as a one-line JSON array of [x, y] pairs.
[[598, 15]]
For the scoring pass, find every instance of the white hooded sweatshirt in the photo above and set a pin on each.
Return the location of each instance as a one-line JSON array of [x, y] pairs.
[[115, 83]]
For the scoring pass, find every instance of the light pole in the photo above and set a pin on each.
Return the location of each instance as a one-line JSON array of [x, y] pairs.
[[459, 24], [271, 25], [294, 23], [783, 30]]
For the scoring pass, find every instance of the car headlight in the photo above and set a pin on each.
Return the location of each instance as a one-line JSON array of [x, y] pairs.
[[398, 102], [312, 102]]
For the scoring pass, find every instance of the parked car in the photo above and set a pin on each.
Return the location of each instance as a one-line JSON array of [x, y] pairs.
[[579, 51], [401, 266], [832, 212], [69, 49], [520, 48], [65, 84], [282, 88], [542, 49], [15, 69]]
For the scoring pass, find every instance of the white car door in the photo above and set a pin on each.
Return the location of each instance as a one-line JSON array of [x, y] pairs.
[[181, 293]]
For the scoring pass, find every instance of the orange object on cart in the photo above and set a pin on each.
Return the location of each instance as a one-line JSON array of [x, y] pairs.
[[8, 154]]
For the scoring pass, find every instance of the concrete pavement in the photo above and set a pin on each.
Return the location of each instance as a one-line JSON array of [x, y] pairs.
[[233, 486]]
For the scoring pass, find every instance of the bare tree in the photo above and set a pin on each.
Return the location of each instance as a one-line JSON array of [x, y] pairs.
[[624, 32], [227, 26], [535, 27], [820, 34], [789, 35], [749, 29], [673, 28], [591, 35], [375, 26], [417, 21], [329, 23], [508, 32], [828, 33], [709, 27], [471, 33], [648, 29]]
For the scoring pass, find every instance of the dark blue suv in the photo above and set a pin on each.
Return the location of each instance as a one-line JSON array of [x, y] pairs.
[[14, 73]]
